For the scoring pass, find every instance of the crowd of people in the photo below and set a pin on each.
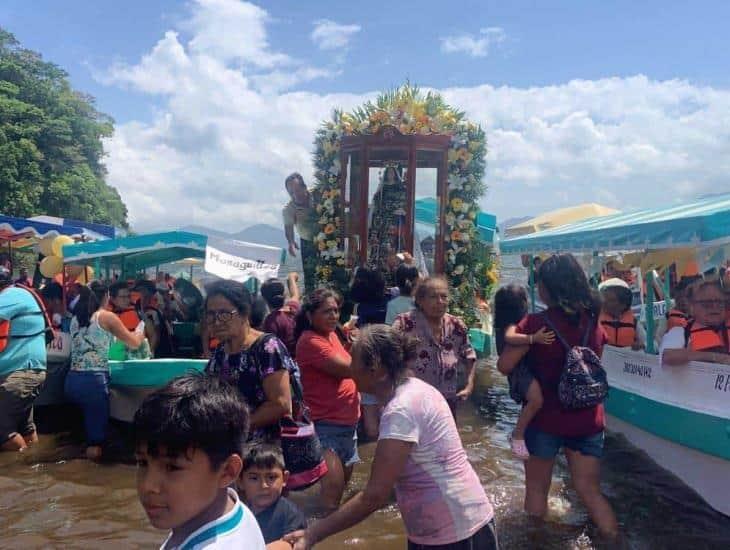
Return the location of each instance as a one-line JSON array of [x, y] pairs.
[[289, 387]]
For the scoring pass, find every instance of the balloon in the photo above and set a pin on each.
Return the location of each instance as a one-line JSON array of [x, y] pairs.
[[45, 246], [51, 265], [58, 244]]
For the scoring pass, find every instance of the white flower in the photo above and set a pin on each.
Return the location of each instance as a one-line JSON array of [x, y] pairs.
[[459, 269]]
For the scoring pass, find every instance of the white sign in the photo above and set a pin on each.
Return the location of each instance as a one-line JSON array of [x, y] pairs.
[[239, 261], [59, 350]]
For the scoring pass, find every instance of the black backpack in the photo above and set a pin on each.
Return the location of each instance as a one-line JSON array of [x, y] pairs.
[[583, 381]]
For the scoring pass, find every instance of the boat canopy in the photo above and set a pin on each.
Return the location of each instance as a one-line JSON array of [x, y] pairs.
[[133, 254], [22, 232], [556, 218], [701, 223], [426, 214]]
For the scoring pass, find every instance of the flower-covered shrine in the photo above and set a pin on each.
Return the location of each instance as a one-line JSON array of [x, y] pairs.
[[403, 174]]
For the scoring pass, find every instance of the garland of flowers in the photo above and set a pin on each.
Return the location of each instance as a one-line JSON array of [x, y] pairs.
[[410, 112]]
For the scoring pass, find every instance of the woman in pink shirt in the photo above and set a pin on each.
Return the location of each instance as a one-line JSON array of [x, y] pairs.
[[419, 454]]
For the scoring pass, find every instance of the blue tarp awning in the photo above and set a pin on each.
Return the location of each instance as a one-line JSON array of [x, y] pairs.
[[426, 214], [701, 222], [12, 228]]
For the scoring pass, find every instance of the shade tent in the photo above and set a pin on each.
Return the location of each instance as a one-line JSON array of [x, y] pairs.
[[22, 232], [136, 253], [94, 231], [426, 213], [703, 222], [557, 218]]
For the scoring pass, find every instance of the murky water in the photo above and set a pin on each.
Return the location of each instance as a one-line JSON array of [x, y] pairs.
[[50, 499]]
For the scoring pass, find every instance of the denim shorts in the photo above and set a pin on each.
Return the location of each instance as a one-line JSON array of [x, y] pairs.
[[544, 445], [342, 440]]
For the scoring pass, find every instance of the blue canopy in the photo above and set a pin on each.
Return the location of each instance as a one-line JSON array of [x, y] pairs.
[[702, 222], [133, 254], [426, 214], [12, 228], [91, 229]]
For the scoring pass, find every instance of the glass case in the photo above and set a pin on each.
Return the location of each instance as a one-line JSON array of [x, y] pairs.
[[394, 189]]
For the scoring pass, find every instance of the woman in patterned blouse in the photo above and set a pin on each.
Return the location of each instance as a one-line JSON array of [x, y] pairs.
[[257, 364], [443, 341]]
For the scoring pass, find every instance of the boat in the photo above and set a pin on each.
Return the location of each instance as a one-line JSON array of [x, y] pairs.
[[680, 416]]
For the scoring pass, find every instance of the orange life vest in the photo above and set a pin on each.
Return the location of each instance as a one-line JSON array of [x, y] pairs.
[[47, 331], [129, 317], [4, 335], [620, 332], [213, 343], [703, 338], [676, 318]]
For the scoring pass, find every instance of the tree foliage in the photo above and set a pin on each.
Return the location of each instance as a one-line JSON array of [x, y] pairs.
[[50, 143]]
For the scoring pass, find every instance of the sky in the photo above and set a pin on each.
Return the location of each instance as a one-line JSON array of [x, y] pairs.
[[622, 103]]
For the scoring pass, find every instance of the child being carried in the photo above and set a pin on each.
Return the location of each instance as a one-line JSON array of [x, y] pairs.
[[510, 307]]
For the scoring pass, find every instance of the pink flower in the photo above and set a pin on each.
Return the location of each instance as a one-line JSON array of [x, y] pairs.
[[270, 346]]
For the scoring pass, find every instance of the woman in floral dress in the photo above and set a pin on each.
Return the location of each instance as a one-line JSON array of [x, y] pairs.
[[258, 364], [443, 341]]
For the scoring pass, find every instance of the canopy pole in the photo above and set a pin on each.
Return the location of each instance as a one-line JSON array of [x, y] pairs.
[[649, 312], [667, 288], [532, 284]]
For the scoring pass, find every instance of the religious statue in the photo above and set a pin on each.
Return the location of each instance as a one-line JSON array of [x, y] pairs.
[[387, 231]]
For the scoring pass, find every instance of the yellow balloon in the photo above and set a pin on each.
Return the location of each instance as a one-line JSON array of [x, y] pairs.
[[45, 246], [51, 265], [58, 244]]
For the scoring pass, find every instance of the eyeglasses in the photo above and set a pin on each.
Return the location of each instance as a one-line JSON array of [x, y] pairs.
[[222, 315], [707, 304]]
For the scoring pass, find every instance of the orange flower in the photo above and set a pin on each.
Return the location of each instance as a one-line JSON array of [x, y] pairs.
[[455, 236]]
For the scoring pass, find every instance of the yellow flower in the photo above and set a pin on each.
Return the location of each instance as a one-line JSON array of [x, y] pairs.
[[329, 229], [456, 204], [321, 246], [340, 261], [332, 244]]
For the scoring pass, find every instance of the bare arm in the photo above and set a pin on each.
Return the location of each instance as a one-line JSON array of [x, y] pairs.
[[337, 366], [510, 358], [514, 338], [471, 374], [278, 400], [390, 459], [111, 323], [291, 283]]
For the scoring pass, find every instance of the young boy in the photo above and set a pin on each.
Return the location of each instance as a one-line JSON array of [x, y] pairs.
[[262, 482], [189, 438]]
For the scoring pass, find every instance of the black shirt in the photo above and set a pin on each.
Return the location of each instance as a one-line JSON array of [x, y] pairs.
[[280, 518]]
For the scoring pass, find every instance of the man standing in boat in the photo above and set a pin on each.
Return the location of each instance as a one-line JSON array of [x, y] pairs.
[[299, 212]]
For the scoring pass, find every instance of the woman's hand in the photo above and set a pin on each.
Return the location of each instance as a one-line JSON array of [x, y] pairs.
[[465, 394], [298, 540], [543, 336]]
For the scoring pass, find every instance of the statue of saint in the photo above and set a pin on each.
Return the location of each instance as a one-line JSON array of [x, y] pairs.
[[387, 231]]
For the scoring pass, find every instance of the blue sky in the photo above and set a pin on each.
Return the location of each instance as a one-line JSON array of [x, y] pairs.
[[548, 71]]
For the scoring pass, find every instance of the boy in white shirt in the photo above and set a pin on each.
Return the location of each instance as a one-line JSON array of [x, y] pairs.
[[189, 438]]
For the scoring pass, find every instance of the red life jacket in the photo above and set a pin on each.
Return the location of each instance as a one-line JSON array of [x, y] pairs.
[[129, 318], [620, 332], [676, 318], [699, 337]]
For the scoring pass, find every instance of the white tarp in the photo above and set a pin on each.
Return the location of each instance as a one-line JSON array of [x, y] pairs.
[[239, 260]]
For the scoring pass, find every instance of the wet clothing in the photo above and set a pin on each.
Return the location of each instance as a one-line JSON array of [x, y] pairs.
[[547, 362], [342, 440], [89, 390], [26, 342], [247, 369], [279, 519], [437, 361], [484, 539], [544, 445], [439, 494], [18, 390]]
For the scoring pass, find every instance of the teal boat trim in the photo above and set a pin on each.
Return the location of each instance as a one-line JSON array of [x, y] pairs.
[[703, 432]]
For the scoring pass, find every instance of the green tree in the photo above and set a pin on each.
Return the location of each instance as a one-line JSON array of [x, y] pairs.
[[51, 148]]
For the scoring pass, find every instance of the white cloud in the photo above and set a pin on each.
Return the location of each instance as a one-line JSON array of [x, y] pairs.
[[329, 35], [219, 148], [475, 46]]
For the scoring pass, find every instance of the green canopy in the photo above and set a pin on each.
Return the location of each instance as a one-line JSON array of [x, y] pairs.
[[703, 222], [134, 254]]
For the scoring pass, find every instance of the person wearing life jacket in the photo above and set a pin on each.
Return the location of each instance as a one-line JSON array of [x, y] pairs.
[[616, 318], [120, 300], [707, 337], [23, 328], [160, 332]]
